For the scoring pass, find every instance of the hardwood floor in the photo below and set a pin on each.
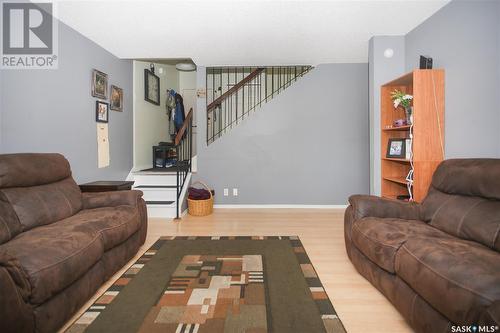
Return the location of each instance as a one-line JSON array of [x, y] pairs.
[[359, 305]]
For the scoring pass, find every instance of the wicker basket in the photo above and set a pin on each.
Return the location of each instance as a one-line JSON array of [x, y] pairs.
[[201, 207]]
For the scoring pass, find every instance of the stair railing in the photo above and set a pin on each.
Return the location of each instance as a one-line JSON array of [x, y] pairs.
[[183, 147], [244, 96]]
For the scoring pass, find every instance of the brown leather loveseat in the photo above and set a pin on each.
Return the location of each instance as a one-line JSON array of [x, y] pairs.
[[438, 262], [58, 245]]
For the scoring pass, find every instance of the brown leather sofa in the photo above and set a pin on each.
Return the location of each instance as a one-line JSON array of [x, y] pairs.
[[438, 262], [58, 245]]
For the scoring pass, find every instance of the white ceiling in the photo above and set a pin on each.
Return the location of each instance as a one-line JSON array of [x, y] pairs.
[[244, 32]]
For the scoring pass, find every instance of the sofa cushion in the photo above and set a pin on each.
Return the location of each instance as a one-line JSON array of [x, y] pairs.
[[114, 224], [478, 177], [467, 217], [32, 169], [380, 238], [50, 258], [460, 279], [54, 256], [43, 204]]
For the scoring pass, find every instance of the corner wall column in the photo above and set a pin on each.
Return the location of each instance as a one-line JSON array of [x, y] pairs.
[[381, 68]]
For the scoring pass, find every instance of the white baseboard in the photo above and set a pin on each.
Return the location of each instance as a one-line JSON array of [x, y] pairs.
[[282, 206]]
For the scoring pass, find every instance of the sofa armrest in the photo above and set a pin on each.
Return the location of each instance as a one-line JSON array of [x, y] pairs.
[[110, 199], [372, 206], [15, 313]]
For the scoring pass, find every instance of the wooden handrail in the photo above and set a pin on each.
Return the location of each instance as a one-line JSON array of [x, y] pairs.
[[181, 132], [234, 88]]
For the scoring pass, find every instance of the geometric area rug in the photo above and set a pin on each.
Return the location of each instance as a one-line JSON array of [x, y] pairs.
[[247, 284]]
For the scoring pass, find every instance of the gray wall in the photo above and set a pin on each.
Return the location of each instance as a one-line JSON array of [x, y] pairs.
[[381, 70], [309, 145], [463, 38], [53, 111], [498, 65]]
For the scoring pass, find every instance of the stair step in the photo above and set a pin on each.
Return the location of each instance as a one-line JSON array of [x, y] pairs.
[[183, 166], [159, 202], [155, 179], [161, 211], [159, 194], [156, 186]]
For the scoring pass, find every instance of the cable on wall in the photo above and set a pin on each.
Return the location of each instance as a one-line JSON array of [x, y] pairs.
[[409, 177]]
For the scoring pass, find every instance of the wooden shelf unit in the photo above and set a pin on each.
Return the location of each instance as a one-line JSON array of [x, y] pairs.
[[427, 88]]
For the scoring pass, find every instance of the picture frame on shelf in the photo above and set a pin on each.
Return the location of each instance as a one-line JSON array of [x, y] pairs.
[[101, 112], [396, 148], [116, 99], [99, 88], [151, 87]]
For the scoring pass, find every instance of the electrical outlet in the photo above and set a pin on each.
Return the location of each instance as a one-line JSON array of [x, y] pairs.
[[235, 192], [226, 192]]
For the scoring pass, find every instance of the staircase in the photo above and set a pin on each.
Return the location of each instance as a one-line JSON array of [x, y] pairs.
[[165, 189], [161, 192], [234, 92]]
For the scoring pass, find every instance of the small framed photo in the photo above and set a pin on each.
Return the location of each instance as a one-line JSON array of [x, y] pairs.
[[99, 84], [116, 98], [396, 148], [101, 112], [151, 87]]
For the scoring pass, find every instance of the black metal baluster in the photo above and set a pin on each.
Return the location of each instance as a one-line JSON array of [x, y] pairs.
[[237, 93], [272, 83], [215, 109], [254, 91], [178, 192], [243, 97], [279, 85], [220, 122], [190, 142], [260, 90], [249, 92], [265, 76]]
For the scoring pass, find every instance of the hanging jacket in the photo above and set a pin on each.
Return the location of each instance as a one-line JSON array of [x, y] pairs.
[[170, 102], [179, 116], [171, 124], [171, 112]]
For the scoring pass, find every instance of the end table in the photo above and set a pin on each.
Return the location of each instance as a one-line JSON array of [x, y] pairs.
[[106, 186]]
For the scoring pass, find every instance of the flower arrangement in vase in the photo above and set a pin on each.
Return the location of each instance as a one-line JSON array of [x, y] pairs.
[[401, 99]]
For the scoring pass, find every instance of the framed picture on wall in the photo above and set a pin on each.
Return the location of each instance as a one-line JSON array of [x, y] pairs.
[[99, 84], [151, 87], [101, 112], [396, 148], [116, 99]]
